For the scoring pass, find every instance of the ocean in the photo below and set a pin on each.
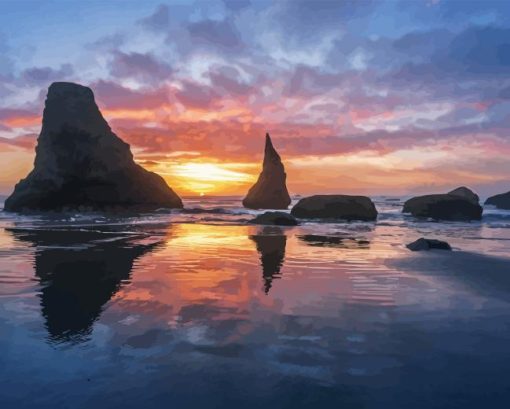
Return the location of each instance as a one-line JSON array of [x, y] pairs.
[[198, 308]]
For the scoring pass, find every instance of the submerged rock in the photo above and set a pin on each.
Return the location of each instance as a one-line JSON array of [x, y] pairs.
[[275, 218], [459, 204], [81, 164], [335, 207], [319, 240], [270, 191], [428, 244], [465, 193], [501, 201]]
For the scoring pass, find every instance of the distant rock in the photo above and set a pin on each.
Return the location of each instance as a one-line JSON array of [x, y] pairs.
[[428, 244], [457, 205], [276, 219], [270, 191], [465, 193], [81, 164], [335, 207], [501, 201]]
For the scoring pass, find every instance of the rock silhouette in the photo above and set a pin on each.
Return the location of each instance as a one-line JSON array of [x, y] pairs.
[[270, 191], [335, 207], [81, 164], [428, 244], [460, 204], [79, 271], [501, 201], [271, 243], [465, 193]]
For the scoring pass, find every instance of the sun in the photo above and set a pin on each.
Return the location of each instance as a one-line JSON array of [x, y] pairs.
[[206, 177]]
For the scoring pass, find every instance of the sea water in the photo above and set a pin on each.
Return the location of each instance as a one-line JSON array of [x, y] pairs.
[[198, 308]]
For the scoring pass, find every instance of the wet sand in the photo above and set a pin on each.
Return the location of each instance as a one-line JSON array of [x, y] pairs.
[[166, 309]]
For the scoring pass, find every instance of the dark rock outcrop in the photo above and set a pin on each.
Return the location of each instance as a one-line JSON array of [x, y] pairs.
[[428, 244], [501, 201], [270, 191], [465, 193], [460, 204], [335, 207], [276, 219], [81, 164]]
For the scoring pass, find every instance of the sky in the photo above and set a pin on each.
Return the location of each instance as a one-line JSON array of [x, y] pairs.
[[360, 97]]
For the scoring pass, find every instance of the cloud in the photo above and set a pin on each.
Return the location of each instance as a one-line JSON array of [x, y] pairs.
[[145, 67], [115, 96], [236, 5], [219, 34], [476, 53], [27, 141], [197, 95], [353, 78], [18, 117], [159, 20], [227, 79], [307, 20], [46, 75]]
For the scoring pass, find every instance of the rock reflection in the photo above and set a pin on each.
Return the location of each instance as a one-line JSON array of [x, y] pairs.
[[271, 243], [334, 241], [79, 272]]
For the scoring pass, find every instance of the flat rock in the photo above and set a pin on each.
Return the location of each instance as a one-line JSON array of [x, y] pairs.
[[276, 219], [443, 207], [81, 164], [428, 244], [270, 190], [501, 201], [335, 207]]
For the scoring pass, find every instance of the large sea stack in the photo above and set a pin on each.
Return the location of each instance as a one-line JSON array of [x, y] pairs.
[[501, 201], [270, 191], [81, 164], [460, 204]]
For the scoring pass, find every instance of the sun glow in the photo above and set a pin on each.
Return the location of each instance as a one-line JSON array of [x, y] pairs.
[[203, 178]]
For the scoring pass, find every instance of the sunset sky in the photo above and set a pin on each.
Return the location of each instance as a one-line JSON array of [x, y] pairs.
[[365, 97]]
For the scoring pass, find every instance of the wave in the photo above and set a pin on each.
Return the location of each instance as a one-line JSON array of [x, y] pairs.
[[214, 210]]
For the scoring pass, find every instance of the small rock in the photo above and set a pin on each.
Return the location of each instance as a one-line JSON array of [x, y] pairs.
[[275, 218], [428, 244]]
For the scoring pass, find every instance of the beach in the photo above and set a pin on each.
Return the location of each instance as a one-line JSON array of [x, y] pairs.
[[197, 307]]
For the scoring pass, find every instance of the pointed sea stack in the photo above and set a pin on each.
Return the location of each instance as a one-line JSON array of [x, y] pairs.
[[80, 164], [270, 191]]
